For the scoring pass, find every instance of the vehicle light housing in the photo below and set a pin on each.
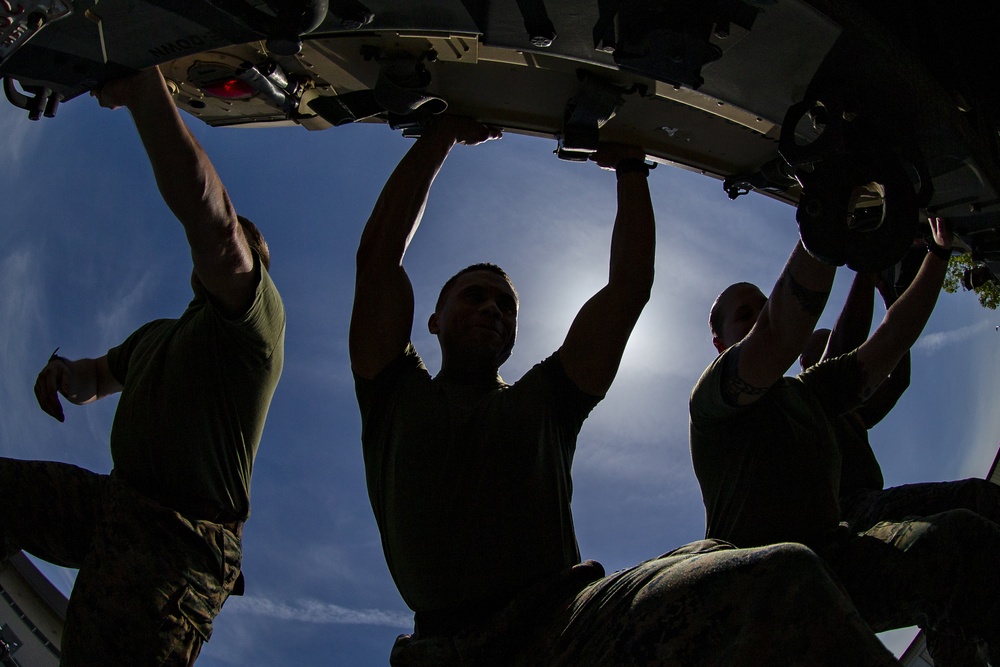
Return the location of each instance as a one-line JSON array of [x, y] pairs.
[[229, 89]]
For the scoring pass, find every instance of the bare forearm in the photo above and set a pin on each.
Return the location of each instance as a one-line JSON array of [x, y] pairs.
[[401, 204], [855, 320], [83, 382], [633, 241], [190, 187], [783, 328], [902, 324], [89, 380], [887, 395], [383, 299], [906, 318], [597, 338], [187, 180], [796, 302]]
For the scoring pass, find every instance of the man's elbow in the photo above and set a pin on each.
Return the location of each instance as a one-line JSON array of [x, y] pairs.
[[365, 257], [644, 290], [377, 251], [635, 289]]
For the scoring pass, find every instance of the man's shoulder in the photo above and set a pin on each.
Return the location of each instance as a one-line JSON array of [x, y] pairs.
[[406, 364], [706, 395], [266, 299], [151, 328], [837, 382], [835, 371], [550, 371], [261, 325], [709, 410], [547, 383]]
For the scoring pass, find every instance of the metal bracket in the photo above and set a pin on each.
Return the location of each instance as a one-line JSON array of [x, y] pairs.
[[585, 115], [773, 176], [40, 101]]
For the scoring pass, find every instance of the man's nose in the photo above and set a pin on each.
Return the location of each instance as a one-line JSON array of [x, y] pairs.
[[490, 307]]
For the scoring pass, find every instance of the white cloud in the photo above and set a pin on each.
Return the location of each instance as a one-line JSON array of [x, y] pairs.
[[20, 136], [934, 342], [21, 310], [982, 432], [119, 319], [314, 611]]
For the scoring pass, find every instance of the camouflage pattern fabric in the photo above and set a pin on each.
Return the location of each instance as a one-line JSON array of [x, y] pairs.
[[866, 508], [939, 572], [704, 604], [151, 581]]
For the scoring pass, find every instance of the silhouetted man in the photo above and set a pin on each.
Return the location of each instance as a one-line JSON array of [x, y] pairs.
[[470, 477], [768, 461], [157, 541]]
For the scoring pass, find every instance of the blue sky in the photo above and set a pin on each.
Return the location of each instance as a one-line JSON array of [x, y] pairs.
[[88, 252]]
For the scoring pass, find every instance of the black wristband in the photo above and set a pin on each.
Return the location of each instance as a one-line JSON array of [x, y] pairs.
[[938, 251], [631, 165]]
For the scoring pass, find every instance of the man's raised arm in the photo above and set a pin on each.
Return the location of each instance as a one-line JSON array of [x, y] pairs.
[[596, 340], [782, 329], [190, 186], [855, 320], [383, 297], [851, 330], [906, 318]]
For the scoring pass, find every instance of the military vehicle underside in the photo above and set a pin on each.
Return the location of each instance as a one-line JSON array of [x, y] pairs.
[[863, 115]]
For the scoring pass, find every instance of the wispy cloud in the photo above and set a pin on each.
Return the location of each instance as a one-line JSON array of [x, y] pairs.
[[20, 308], [936, 341], [981, 428], [19, 133], [118, 318], [315, 611]]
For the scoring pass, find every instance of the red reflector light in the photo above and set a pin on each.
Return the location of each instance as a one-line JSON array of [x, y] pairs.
[[229, 89]]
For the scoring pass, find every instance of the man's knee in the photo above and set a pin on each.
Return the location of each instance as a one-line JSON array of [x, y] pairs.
[[795, 557], [780, 566], [955, 531], [982, 497], [961, 521]]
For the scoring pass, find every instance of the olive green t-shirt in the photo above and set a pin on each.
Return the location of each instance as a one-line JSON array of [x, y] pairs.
[[770, 471], [471, 487], [195, 394], [860, 469]]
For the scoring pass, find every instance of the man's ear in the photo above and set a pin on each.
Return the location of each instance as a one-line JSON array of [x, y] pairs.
[[719, 347], [432, 324]]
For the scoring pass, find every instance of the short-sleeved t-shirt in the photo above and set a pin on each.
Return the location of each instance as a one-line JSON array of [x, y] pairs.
[[860, 470], [471, 486], [195, 395], [770, 471]]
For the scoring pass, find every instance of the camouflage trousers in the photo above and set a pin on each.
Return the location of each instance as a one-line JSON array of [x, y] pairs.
[[939, 572], [866, 508], [704, 604], [863, 509], [150, 581]]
